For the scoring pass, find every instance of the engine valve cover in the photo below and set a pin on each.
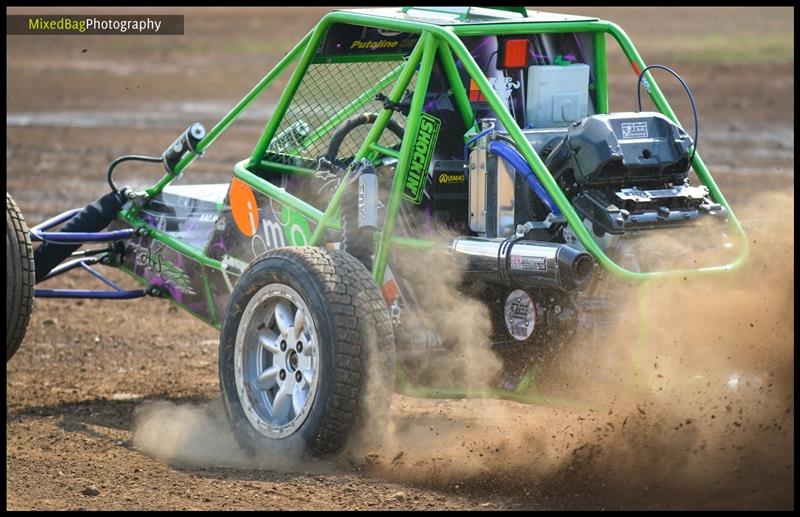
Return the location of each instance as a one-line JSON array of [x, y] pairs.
[[622, 148]]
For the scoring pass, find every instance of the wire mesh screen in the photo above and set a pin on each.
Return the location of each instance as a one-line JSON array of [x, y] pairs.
[[328, 95]]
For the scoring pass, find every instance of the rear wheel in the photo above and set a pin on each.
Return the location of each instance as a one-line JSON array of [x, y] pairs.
[[19, 277], [306, 346]]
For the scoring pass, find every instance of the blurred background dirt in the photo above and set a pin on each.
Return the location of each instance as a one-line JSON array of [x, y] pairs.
[[74, 103]]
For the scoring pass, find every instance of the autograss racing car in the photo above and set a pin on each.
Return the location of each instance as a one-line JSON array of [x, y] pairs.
[[483, 135]]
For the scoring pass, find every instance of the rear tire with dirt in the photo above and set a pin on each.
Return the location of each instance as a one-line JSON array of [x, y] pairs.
[[306, 352], [19, 277]]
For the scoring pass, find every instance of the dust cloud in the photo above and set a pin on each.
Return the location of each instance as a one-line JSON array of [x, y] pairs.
[[686, 402], [186, 433], [199, 435], [463, 322]]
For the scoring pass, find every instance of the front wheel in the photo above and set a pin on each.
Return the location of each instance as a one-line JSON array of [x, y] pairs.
[[19, 277], [306, 351]]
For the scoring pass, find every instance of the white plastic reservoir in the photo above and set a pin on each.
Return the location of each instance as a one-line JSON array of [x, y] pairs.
[[557, 95]]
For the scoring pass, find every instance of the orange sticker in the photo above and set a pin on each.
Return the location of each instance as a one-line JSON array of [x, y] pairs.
[[390, 291], [244, 207]]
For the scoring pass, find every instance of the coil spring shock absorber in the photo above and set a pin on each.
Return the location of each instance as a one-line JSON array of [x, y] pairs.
[[360, 213], [359, 205]]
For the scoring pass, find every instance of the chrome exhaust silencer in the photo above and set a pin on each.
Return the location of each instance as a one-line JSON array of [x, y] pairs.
[[522, 263]]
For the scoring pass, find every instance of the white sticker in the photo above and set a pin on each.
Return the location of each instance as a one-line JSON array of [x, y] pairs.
[[634, 130], [528, 263], [520, 315]]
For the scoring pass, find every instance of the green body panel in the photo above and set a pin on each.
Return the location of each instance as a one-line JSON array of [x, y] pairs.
[[176, 244], [214, 322]]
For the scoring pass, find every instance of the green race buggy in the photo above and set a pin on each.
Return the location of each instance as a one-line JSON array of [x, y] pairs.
[[480, 135]]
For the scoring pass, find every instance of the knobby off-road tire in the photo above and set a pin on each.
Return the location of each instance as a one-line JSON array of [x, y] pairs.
[[306, 352], [19, 277]]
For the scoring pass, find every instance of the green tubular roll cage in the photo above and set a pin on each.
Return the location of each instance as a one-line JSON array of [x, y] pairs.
[[437, 36]]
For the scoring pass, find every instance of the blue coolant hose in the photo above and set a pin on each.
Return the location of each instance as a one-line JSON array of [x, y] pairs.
[[473, 139], [513, 157]]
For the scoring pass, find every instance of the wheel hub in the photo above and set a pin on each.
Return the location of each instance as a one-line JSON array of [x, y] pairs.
[[277, 362], [292, 361]]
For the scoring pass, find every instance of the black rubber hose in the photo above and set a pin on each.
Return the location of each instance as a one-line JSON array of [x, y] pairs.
[[132, 157], [93, 218], [691, 100], [350, 124]]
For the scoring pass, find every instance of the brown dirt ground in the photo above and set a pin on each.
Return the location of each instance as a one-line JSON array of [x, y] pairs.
[[85, 366]]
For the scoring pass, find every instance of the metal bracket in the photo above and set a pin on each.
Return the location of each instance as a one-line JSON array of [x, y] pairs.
[[403, 106], [549, 221]]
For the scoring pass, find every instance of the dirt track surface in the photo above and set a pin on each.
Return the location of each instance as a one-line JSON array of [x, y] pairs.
[[91, 374]]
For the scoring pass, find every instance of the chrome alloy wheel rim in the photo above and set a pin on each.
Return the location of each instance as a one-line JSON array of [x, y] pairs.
[[276, 361]]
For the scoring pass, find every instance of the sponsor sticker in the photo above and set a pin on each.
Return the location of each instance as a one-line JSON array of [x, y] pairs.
[[528, 263], [520, 315], [154, 263], [244, 207], [424, 144], [450, 179]]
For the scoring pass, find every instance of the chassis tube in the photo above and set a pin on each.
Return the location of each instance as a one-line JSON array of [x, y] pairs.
[[229, 119], [288, 94], [460, 95], [600, 73], [401, 173], [372, 137]]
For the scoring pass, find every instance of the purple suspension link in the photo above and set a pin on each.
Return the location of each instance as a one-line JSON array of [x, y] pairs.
[[39, 233], [117, 293]]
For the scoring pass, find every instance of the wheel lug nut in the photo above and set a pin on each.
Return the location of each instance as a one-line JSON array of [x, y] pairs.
[[282, 374], [299, 347], [283, 346], [298, 376]]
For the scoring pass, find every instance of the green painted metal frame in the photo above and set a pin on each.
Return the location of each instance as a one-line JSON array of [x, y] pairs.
[[401, 172], [445, 42], [462, 13]]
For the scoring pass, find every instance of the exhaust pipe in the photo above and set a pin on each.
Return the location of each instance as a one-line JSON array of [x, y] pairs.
[[523, 263]]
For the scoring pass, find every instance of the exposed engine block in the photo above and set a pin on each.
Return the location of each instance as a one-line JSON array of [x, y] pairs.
[[628, 171]]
